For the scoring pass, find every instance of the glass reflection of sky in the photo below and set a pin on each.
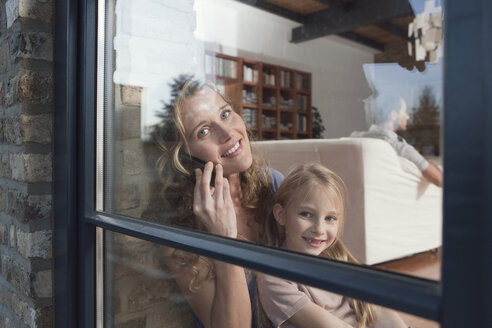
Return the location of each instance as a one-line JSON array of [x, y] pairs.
[[392, 78], [419, 5]]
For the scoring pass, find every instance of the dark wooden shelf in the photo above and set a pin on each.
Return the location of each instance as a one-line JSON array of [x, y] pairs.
[[226, 78], [247, 105], [234, 91]]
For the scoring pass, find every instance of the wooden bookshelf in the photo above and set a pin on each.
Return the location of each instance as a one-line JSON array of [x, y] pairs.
[[274, 101]]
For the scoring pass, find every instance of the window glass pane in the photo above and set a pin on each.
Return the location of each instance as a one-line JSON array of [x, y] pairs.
[[143, 282], [415, 321], [140, 291], [353, 85]]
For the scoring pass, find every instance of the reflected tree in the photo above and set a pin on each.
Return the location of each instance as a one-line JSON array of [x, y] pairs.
[[428, 110], [317, 125], [424, 128], [161, 134]]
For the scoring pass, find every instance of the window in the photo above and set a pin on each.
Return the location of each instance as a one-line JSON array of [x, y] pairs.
[[428, 299]]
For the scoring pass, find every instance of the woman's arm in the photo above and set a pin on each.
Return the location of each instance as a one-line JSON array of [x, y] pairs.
[[312, 315], [231, 306], [224, 300]]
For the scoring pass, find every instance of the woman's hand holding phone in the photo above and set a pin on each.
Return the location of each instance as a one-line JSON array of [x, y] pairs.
[[213, 205]]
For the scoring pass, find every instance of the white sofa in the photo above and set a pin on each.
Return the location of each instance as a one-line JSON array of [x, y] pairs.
[[391, 211]]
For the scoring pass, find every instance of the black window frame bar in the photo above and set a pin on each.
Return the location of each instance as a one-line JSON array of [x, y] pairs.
[[74, 163], [466, 297], [461, 299]]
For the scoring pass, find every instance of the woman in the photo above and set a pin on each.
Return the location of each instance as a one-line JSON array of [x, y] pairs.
[[201, 123]]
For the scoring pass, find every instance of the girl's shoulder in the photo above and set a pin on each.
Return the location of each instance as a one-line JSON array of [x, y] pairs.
[[272, 285]]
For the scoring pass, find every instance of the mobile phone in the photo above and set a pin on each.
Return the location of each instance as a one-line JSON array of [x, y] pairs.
[[191, 163]]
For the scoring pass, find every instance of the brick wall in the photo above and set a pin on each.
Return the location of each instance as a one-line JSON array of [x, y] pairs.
[[143, 293], [26, 105]]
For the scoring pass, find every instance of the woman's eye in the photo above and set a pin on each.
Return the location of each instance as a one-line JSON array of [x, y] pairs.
[[225, 114], [330, 218], [202, 133], [305, 214]]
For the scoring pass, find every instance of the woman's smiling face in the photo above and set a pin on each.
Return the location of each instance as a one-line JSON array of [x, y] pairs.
[[214, 132]]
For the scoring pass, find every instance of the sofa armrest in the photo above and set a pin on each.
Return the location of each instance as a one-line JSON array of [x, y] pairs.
[[391, 211]]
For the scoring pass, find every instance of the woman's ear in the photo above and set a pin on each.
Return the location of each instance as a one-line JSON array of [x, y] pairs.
[[279, 213]]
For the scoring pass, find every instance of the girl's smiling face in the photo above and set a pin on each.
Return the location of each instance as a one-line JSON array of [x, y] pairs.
[[311, 220], [215, 132]]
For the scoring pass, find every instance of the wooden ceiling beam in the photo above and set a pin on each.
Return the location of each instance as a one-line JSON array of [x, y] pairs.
[[362, 40], [328, 2], [336, 2], [393, 29], [274, 9], [337, 19]]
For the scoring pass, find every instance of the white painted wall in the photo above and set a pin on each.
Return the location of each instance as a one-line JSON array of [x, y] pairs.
[[158, 39], [338, 81]]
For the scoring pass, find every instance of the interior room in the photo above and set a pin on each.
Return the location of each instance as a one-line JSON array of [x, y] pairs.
[[304, 75], [169, 163]]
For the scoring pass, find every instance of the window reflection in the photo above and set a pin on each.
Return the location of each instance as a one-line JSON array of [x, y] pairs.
[[274, 84], [142, 290]]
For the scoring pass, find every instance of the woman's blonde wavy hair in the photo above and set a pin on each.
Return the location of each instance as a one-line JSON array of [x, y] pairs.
[[297, 184], [178, 182]]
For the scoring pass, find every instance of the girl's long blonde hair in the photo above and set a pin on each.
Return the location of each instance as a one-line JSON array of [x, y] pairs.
[[177, 183], [297, 184]]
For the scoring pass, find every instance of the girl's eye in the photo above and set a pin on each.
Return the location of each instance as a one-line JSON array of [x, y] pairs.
[[203, 132], [305, 214], [225, 114], [330, 218]]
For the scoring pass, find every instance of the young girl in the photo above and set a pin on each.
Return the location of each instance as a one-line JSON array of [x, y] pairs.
[[308, 217]]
